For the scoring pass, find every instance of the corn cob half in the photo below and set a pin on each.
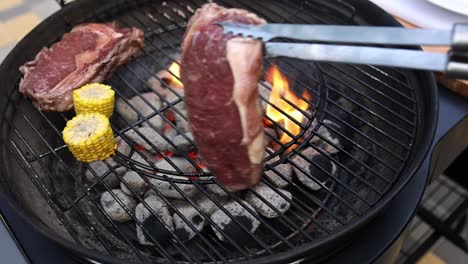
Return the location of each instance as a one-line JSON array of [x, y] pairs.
[[94, 98], [89, 137]]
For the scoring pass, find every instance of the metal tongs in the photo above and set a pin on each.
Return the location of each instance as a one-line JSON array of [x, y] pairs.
[[454, 64]]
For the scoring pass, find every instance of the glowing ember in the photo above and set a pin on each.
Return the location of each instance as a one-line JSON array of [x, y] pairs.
[[166, 154], [173, 81], [280, 91], [169, 116], [192, 155], [139, 148]]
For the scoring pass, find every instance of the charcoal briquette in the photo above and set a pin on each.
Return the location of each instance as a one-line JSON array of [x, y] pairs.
[[147, 137], [315, 174], [181, 143], [165, 187], [271, 196], [104, 171], [309, 179], [230, 227], [181, 228], [115, 211], [157, 226], [135, 182], [284, 169], [140, 108]]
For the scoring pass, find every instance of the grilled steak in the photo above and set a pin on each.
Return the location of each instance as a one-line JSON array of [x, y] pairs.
[[89, 53], [220, 73]]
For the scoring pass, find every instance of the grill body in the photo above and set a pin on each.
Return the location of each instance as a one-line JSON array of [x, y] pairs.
[[386, 118]]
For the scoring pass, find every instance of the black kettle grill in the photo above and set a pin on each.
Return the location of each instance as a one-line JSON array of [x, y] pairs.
[[384, 119]]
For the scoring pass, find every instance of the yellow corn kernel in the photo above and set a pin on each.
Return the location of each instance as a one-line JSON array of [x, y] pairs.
[[89, 137], [94, 98]]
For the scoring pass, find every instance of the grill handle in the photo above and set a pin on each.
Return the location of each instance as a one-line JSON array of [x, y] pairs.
[[457, 66], [62, 3]]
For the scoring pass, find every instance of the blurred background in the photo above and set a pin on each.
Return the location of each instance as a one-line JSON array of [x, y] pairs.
[[18, 17]]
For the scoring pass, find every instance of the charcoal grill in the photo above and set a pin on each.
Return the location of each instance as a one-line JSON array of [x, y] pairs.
[[384, 119]]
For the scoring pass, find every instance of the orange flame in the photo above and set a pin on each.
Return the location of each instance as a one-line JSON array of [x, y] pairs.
[[175, 70], [280, 95]]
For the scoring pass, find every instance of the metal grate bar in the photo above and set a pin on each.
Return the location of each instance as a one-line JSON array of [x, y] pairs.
[[254, 214], [391, 77], [370, 112], [403, 145], [156, 110], [331, 176], [207, 241], [131, 214], [381, 161], [161, 249], [44, 190], [239, 224], [186, 251], [48, 153], [401, 106], [339, 164], [194, 164], [404, 96], [373, 141], [329, 15], [173, 208], [356, 79], [295, 203], [214, 225], [303, 126], [122, 180], [190, 201], [311, 197], [350, 156], [274, 106], [304, 191], [380, 176]]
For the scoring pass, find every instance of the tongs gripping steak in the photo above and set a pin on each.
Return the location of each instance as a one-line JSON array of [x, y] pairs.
[[220, 73]]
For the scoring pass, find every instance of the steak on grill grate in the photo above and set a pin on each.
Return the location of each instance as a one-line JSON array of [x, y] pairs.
[[220, 74], [89, 53]]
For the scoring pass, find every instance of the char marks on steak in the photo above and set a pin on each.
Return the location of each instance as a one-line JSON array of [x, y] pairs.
[[88, 53], [220, 73]]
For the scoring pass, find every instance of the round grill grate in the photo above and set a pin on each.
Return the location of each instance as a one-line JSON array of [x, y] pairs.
[[357, 133]]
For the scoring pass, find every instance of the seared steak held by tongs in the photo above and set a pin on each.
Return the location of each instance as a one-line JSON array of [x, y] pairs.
[[220, 73]]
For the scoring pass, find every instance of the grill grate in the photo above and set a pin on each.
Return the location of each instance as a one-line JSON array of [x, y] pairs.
[[372, 111]]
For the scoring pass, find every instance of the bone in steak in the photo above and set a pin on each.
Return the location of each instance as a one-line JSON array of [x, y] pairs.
[[220, 73], [89, 53]]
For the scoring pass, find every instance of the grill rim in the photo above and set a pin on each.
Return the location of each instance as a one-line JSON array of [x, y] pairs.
[[372, 14]]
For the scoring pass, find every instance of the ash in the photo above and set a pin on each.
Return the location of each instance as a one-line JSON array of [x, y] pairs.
[[159, 151]]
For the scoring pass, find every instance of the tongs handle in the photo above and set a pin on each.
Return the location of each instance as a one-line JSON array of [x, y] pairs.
[[457, 65], [343, 34], [454, 64]]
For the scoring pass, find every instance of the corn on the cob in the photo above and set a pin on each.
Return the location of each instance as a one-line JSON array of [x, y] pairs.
[[94, 98], [89, 137]]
